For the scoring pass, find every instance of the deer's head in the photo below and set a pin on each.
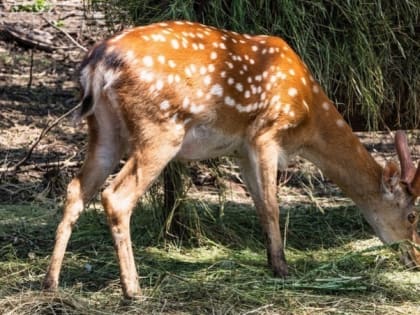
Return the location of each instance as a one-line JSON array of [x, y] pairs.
[[398, 217]]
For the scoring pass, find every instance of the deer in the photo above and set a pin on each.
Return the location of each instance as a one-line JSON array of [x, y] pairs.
[[181, 90]]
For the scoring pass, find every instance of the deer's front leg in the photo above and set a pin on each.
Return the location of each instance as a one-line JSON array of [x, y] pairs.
[[259, 170]]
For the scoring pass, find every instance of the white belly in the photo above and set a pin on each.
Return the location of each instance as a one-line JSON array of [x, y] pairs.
[[203, 142]]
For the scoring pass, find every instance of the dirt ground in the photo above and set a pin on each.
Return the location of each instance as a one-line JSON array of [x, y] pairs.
[[39, 85], [36, 87]]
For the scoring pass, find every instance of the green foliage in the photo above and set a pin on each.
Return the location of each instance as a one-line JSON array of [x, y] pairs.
[[59, 23], [33, 6], [364, 53]]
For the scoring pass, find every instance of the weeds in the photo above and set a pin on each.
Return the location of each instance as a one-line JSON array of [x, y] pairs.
[[33, 6]]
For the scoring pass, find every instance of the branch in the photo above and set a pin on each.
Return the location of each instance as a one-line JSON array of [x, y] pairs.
[[41, 135], [65, 33], [29, 37]]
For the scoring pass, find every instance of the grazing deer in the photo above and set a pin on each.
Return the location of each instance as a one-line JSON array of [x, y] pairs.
[[182, 90]]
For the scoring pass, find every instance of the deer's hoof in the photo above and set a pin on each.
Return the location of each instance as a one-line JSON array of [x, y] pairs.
[[50, 284]]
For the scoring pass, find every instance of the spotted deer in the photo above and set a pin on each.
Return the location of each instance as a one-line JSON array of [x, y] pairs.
[[182, 90]]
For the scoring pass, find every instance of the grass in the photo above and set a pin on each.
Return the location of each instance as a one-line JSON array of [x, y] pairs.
[[364, 53], [36, 6], [337, 266]]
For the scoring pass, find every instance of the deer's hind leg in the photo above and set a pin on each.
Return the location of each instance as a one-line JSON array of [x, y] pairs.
[[104, 151], [147, 160]]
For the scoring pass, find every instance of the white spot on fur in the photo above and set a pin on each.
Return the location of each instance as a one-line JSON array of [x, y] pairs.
[[306, 105], [171, 78], [292, 92], [217, 90], [203, 70], [229, 101], [281, 75], [171, 63], [340, 123], [159, 85], [185, 102], [165, 105], [200, 93], [207, 80], [130, 56], [161, 59], [148, 61], [195, 109], [239, 87], [213, 55], [325, 105], [146, 76], [188, 72], [263, 96], [158, 38]]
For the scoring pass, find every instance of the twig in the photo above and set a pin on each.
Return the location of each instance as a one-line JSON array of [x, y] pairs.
[[31, 69], [37, 166], [41, 135], [259, 309], [65, 33]]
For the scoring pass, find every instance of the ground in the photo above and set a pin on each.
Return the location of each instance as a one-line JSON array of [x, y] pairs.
[[337, 265]]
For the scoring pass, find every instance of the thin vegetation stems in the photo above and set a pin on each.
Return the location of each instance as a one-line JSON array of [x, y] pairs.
[[173, 193]]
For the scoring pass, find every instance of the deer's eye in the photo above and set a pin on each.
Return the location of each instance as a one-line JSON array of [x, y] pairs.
[[411, 217]]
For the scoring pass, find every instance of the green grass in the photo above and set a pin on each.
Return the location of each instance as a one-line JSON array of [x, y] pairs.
[[33, 6], [337, 266]]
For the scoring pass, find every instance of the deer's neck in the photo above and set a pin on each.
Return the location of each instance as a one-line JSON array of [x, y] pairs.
[[338, 152]]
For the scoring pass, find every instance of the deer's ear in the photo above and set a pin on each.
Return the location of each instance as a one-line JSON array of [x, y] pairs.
[[390, 180]]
